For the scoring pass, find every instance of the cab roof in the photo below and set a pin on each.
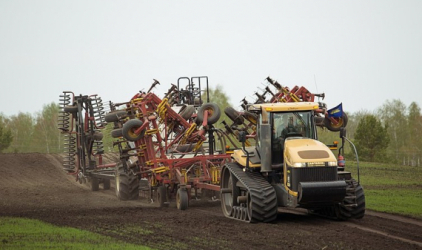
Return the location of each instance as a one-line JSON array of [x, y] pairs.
[[284, 106]]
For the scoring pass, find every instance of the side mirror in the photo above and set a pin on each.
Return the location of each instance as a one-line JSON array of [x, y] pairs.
[[342, 132], [242, 136]]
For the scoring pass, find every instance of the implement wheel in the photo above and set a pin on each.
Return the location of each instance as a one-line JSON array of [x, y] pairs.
[[115, 115], [95, 184], [71, 109], [250, 117], [187, 111], [161, 195], [182, 199], [116, 133], [214, 113], [127, 185], [129, 129], [234, 115], [106, 184], [341, 123]]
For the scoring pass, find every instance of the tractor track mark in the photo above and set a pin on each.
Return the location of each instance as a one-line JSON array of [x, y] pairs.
[[367, 229]]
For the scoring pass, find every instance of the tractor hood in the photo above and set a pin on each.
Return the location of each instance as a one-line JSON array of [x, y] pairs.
[[303, 152]]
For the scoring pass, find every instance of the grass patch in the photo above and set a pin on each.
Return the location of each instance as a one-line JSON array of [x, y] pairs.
[[391, 188], [19, 233]]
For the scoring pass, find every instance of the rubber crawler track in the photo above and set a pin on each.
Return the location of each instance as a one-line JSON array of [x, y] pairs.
[[262, 196]]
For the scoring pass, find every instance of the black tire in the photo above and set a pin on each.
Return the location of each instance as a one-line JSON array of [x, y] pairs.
[[213, 109], [71, 109], [116, 133], [115, 115], [234, 115], [95, 184], [106, 184], [342, 123], [127, 186], [161, 195], [129, 128], [182, 199], [187, 111], [98, 136], [185, 148]]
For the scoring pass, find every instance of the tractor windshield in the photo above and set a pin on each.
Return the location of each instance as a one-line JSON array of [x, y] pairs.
[[289, 124]]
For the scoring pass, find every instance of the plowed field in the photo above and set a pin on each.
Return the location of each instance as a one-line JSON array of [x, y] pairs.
[[35, 186]]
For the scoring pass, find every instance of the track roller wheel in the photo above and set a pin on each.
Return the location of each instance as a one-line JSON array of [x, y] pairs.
[[182, 199], [229, 192], [247, 196]]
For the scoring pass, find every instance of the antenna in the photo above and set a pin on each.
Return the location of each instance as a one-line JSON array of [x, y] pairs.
[[316, 86]]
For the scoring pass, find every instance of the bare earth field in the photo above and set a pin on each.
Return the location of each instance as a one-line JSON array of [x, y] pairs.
[[34, 186]]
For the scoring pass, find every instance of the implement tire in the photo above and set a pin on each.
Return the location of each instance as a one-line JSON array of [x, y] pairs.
[[129, 128], [116, 133], [187, 111], [115, 116], [127, 185], [214, 111], [234, 115], [342, 123]]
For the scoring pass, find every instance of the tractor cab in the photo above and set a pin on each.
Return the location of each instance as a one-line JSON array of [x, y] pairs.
[[286, 125]]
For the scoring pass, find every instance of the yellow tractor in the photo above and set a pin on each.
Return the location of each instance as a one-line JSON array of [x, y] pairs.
[[287, 167]]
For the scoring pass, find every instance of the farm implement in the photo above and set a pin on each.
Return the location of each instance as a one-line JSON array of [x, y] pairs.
[[169, 149], [166, 146]]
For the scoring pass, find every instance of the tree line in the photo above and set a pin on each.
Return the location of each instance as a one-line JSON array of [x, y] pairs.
[[391, 133]]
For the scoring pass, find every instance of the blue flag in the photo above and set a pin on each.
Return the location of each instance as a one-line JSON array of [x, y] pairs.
[[336, 112]]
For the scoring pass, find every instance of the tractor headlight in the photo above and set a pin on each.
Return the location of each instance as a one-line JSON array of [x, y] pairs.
[[299, 165], [332, 163]]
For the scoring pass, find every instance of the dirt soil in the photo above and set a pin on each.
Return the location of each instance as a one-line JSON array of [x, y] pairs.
[[35, 186]]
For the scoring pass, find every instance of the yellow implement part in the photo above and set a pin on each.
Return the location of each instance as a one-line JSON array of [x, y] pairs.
[[162, 108], [198, 145], [188, 133], [214, 174], [185, 175], [151, 131], [159, 170], [135, 101]]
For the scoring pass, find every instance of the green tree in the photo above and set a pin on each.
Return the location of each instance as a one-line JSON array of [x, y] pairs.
[[5, 136], [415, 134], [22, 127], [394, 114], [371, 139], [46, 137]]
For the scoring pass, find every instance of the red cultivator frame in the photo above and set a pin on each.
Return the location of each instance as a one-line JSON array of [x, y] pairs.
[[298, 94], [164, 149]]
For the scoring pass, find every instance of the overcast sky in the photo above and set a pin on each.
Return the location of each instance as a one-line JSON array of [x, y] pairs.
[[360, 53]]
